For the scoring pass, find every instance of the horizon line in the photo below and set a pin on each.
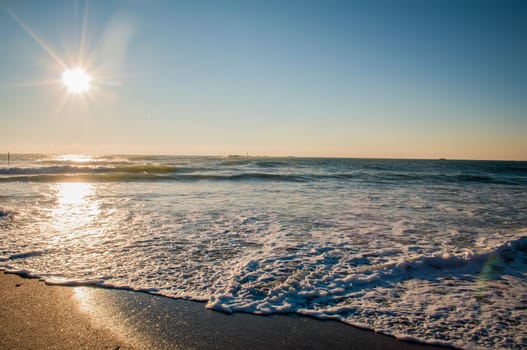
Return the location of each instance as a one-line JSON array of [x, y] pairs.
[[247, 155]]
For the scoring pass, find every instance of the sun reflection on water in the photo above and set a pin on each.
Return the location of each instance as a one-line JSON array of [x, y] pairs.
[[76, 212], [73, 194], [76, 158]]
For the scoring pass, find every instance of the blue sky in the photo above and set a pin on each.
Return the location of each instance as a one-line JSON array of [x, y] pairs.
[[411, 79]]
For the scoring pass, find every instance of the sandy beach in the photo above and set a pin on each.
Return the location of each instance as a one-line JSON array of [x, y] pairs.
[[37, 316]]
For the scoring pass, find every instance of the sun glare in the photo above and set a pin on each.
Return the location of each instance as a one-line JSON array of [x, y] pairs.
[[76, 80], [75, 158]]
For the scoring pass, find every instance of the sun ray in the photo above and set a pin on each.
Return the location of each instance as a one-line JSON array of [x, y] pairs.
[[109, 83], [81, 86], [82, 44], [39, 41]]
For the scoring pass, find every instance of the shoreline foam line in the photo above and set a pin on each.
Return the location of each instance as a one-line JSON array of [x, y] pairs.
[[147, 321]]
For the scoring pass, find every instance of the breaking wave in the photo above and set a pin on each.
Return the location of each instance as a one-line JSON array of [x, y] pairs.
[[153, 172]]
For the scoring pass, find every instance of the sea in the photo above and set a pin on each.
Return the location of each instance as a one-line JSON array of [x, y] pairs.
[[424, 250]]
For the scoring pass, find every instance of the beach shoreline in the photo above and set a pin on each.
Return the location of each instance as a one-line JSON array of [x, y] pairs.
[[35, 315]]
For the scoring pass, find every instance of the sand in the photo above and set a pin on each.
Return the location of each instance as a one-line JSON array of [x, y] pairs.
[[34, 315]]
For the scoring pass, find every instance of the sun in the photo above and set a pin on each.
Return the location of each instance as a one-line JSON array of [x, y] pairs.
[[76, 80]]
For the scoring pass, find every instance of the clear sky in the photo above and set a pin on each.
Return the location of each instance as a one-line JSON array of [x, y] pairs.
[[411, 79]]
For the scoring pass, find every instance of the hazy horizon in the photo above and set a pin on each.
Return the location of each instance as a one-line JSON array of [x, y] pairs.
[[3, 156]]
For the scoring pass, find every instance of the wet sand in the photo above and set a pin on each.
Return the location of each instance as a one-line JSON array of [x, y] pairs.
[[34, 315]]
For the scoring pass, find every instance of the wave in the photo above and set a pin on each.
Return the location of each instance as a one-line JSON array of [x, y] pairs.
[[149, 176], [139, 174], [88, 163], [68, 169], [507, 258], [298, 294], [413, 177], [499, 258], [264, 171]]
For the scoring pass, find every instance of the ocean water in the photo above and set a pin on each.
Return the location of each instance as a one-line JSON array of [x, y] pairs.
[[428, 250]]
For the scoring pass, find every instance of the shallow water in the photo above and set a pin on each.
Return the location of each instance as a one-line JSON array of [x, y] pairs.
[[434, 251]]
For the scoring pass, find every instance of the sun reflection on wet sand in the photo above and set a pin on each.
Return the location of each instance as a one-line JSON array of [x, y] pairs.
[[104, 309]]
